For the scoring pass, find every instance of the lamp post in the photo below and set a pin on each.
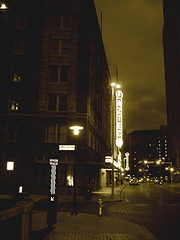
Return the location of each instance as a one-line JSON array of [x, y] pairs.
[[113, 85], [76, 130], [171, 170]]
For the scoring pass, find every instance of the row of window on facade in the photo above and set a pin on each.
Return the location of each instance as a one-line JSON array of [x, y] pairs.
[[54, 133], [57, 74], [58, 47], [56, 102], [57, 22]]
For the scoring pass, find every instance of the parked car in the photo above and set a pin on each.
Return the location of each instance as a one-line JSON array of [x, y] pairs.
[[133, 181]]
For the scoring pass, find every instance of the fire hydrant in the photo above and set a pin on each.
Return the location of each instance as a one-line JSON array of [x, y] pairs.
[[100, 212]]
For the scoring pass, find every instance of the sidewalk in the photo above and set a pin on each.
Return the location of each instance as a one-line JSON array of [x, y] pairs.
[[88, 226], [105, 194]]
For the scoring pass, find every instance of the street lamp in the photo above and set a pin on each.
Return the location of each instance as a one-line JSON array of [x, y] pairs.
[[113, 85], [171, 170], [76, 131]]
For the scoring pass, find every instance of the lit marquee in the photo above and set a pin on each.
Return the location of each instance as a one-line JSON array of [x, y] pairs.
[[119, 138]]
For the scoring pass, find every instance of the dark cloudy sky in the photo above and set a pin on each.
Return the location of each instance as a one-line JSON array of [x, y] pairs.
[[132, 35]]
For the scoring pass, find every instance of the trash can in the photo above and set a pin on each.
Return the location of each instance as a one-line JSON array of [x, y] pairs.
[[88, 193]]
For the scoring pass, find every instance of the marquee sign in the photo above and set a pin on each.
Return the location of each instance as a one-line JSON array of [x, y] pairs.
[[119, 138]]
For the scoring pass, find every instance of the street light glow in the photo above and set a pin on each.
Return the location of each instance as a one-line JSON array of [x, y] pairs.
[[76, 129], [118, 85], [3, 6]]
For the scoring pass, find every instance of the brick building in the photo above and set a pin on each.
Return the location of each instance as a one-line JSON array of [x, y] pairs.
[[54, 74]]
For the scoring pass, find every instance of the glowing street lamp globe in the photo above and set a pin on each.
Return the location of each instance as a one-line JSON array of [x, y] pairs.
[[76, 129]]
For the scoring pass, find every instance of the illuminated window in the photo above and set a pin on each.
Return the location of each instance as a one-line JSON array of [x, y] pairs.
[[11, 132], [57, 102], [13, 102], [59, 74], [60, 47], [16, 73], [20, 21], [56, 133], [69, 175], [18, 46]]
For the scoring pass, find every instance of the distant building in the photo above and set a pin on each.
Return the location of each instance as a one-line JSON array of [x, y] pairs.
[[53, 74], [147, 145], [171, 37]]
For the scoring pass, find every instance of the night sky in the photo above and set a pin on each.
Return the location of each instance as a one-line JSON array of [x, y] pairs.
[[132, 35]]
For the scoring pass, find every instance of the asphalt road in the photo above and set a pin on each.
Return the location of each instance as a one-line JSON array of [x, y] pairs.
[[154, 206]]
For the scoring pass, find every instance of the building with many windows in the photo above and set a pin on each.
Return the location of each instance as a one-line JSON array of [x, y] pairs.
[[54, 74], [149, 146]]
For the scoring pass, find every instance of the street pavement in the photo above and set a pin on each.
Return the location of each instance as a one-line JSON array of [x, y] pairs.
[[87, 226]]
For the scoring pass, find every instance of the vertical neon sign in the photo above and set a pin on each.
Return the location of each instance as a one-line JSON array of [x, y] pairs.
[[119, 138], [52, 196], [127, 161]]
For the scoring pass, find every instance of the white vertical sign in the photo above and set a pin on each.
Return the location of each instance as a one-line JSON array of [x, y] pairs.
[[127, 161], [119, 138]]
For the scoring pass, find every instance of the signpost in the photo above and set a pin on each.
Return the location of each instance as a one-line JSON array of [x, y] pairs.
[[52, 196]]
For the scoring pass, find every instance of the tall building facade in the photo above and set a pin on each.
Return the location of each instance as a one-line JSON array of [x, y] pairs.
[[54, 74], [149, 146], [171, 38]]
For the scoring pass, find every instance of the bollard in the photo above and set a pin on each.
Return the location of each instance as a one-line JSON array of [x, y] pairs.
[[100, 213]]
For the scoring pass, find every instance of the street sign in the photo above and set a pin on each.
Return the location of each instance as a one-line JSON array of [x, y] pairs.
[[66, 147]]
